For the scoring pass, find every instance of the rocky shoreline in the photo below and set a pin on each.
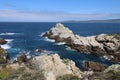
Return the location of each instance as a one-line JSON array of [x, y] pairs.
[[52, 67], [105, 45]]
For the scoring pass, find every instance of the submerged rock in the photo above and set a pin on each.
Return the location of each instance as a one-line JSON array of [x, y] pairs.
[[101, 45]]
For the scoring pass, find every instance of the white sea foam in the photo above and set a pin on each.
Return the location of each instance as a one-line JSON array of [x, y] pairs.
[[70, 49], [60, 43], [108, 57], [42, 34], [9, 33], [49, 40], [7, 46], [28, 55], [9, 40]]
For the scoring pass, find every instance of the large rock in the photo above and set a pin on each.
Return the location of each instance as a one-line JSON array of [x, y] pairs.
[[101, 45], [22, 58], [2, 41], [111, 73], [97, 67], [53, 67], [3, 56]]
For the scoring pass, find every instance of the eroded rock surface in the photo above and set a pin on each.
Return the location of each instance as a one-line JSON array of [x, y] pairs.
[[2, 41], [94, 66], [53, 67], [102, 45]]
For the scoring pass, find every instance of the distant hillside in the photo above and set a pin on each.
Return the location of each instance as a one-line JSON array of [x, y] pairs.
[[95, 21]]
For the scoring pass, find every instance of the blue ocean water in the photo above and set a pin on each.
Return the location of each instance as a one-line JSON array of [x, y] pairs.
[[26, 36]]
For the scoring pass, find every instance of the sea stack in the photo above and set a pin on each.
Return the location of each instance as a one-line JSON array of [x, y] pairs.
[[106, 45]]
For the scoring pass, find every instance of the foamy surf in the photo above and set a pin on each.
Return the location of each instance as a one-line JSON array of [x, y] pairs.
[[7, 46], [7, 34], [60, 43], [69, 49], [9, 40], [2, 34], [49, 40], [42, 34], [27, 53]]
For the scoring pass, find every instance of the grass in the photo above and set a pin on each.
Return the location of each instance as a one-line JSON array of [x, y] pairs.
[[4, 72], [20, 74]]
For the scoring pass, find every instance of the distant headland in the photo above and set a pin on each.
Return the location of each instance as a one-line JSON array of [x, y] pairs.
[[93, 21]]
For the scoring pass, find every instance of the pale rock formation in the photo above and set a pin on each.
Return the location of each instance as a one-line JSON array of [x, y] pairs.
[[53, 67], [102, 44], [61, 31]]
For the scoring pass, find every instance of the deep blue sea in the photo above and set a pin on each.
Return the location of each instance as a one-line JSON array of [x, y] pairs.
[[26, 36]]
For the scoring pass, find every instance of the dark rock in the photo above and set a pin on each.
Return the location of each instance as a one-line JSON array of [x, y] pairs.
[[22, 58], [2, 41], [39, 50], [3, 56], [97, 67]]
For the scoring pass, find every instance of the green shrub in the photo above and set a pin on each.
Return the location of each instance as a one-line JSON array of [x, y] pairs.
[[4, 72]]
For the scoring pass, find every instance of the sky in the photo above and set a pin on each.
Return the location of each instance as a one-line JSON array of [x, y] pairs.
[[58, 10]]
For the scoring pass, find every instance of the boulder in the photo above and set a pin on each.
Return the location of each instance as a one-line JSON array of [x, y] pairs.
[[22, 58], [53, 67], [2, 41], [97, 67]]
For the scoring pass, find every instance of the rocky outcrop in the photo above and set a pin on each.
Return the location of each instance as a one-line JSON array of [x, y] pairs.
[[102, 45], [53, 67], [22, 58], [3, 56], [2, 41], [94, 66], [111, 73]]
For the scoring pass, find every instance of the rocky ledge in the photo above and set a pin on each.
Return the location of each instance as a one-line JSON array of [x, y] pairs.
[[45, 67], [54, 67], [106, 45]]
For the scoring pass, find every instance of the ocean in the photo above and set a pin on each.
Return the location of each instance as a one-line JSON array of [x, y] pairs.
[[26, 37]]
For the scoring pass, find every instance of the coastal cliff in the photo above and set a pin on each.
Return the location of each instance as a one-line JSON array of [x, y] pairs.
[[106, 45]]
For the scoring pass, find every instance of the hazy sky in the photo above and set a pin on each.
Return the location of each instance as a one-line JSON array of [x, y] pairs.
[[58, 10]]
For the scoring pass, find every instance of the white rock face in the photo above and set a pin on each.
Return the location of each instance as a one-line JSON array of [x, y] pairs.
[[61, 31], [102, 44], [54, 67]]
